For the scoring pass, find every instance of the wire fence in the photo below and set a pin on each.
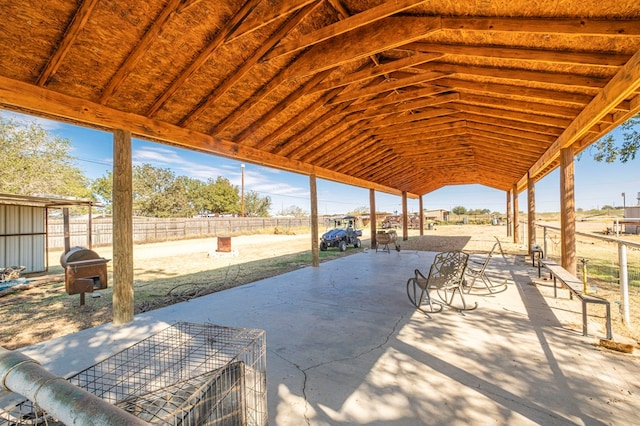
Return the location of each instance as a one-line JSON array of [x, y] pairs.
[[599, 258]]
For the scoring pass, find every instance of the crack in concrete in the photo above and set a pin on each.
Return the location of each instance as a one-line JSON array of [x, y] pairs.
[[351, 358]]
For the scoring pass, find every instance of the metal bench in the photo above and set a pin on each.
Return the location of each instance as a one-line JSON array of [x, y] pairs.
[[575, 287]]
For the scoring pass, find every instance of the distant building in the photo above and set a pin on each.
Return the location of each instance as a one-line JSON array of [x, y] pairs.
[[440, 215], [631, 220]]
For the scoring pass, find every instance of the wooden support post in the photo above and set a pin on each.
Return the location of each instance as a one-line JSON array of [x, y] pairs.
[[509, 214], [421, 209], [373, 220], [90, 230], [66, 228], [531, 212], [315, 252], [405, 221], [567, 211], [516, 216], [122, 228]]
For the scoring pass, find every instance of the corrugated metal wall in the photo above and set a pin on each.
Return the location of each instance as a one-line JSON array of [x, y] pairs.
[[22, 237]]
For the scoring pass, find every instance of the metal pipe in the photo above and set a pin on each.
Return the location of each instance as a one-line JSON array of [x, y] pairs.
[[624, 283], [59, 398], [585, 290]]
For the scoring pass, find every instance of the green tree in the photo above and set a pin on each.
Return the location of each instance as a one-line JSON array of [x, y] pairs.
[[102, 190], [153, 189], [34, 162], [221, 197], [608, 149], [459, 210], [254, 205]]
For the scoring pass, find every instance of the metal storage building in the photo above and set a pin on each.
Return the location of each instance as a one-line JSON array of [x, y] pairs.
[[23, 229]]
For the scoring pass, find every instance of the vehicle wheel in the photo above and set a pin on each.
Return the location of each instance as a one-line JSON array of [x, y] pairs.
[[358, 243], [342, 246], [323, 246]]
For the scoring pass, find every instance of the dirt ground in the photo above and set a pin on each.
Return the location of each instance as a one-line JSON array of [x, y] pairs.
[[174, 271]]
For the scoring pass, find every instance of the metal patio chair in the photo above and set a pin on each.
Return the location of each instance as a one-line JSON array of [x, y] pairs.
[[445, 279], [478, 274]]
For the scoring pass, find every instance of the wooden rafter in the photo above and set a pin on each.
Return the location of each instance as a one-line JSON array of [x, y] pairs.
[[230, 26], [501, 73], [522, 54], [268, 16], [377, 71], [624, 83], [18, 95], [545, 26], [141, 49], [388, 86], [362, 42], [74, 29], [368, 17], [560, 94], [246, 66]]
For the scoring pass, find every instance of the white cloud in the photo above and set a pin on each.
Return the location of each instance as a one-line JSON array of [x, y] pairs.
[[48, 125]]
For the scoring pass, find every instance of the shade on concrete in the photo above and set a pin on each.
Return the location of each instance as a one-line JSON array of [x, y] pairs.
[[345, 347]]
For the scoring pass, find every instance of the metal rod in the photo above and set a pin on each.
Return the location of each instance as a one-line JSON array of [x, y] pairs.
[[624, 283], [59, 398], [585, 290]]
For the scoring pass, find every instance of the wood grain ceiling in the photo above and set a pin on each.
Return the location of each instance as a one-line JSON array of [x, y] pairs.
[[398, 96]]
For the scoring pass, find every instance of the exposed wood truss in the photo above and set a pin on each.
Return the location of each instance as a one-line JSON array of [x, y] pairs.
[[400, 96]]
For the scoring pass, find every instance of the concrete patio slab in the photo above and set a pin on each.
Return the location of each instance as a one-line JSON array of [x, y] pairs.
[[345, 347]]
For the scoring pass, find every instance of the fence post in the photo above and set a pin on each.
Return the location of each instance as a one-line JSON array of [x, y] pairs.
[[624, 283], [544, 241]]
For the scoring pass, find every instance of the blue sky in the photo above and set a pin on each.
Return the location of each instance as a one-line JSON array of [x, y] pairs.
[[596, 184]]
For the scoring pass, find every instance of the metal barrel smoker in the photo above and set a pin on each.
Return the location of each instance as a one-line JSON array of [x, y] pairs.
[[84, 271]]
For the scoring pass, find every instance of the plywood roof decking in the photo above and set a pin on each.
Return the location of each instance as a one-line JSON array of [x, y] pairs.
[[400, 95]]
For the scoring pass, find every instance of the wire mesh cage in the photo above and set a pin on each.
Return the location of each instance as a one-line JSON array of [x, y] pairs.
[[187, 374]]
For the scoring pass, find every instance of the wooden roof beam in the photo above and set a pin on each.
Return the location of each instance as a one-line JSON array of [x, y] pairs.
[[623, 84], [337, 161], [521, 106], [388, 86], [351, 23], [269, 140], [266, 16], [70, 36], [417, 125], [363, 42], [561, 95], [395, 98], [239, 73], [415, 132], [512, 115], [150, 36], [408, 118], [496, 143], [417, 104], [19, 96], [305, 140], [545, 26], [513, 124], [555, 78], [376, 71], [352, 136], [292, 97], [228, 29], [522, 54], [516, 133]]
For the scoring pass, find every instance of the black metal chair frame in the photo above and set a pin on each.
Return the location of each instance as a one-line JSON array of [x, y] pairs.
[[445, 278]]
